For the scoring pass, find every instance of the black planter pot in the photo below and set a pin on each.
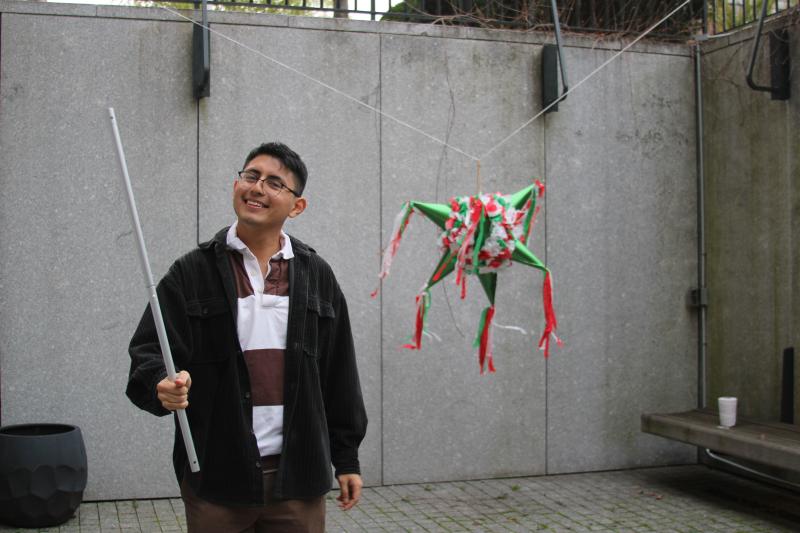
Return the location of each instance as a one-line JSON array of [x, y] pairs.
[[42, 474]]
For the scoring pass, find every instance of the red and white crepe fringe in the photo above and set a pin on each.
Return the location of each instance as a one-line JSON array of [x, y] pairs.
[[475, 213], [400, 225], [485, 349], [540, 187], [423, 302], [549, 316]]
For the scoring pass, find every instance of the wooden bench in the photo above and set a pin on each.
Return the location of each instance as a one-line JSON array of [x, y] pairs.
[[769, 443]]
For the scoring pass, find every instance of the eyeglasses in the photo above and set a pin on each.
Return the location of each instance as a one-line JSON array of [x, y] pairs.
[[272, 185]]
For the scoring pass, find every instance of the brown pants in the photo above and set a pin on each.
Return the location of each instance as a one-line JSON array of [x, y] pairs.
[[280, 516]]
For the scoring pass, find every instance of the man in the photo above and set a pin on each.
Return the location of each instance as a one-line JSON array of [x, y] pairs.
[[259, 330]]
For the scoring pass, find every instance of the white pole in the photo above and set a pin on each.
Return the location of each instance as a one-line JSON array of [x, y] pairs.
[[151, 289]]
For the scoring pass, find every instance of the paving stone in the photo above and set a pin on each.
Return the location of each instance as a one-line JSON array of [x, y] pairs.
[[655, 500]]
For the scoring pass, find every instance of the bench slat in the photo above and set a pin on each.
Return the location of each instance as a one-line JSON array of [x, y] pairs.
[[770, 443]]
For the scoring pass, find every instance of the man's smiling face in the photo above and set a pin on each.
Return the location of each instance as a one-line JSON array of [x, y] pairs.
[[257, 206]]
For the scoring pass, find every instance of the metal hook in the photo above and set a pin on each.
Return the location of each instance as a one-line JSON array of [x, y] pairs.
[[550, 55], [779, 60], [201, 57]]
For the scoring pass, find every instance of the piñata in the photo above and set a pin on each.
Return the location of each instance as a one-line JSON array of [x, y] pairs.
[[480, 235]]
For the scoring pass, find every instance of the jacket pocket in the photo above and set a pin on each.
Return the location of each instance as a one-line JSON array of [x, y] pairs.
[[319, 321], [210, 323], [210, 307]]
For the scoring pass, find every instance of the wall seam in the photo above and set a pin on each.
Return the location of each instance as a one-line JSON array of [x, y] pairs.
[[197, 172], [546, 261], [380, 235], [1, 85]]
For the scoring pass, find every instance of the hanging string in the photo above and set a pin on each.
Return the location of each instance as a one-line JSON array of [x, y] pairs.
[[591, 74], [478, 177], [391, 117], [323, 84]]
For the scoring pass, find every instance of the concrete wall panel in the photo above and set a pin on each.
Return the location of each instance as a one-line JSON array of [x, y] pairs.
[[621, 243], [753, 201], [442, 419], [72, 291], [793, 169]]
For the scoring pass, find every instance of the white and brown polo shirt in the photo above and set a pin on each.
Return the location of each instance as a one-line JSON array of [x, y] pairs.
[[263, 312]]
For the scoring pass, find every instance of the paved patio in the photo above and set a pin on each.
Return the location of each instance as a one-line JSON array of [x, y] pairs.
[[670, 499]]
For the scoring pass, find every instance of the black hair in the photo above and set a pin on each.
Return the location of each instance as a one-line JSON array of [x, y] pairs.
[[286, 156]]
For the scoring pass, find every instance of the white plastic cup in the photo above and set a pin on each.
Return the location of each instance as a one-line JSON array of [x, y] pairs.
[[727, 411]]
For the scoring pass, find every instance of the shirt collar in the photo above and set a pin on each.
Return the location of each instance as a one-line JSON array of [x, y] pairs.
[[233, 241]]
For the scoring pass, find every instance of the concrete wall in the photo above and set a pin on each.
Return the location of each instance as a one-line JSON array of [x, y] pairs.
[[753, 224], [617, 228]]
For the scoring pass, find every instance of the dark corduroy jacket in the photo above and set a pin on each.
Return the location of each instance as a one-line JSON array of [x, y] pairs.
[[324, 417]]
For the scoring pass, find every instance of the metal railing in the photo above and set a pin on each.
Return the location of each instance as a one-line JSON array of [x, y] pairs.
[[726, 15], [615, 16]]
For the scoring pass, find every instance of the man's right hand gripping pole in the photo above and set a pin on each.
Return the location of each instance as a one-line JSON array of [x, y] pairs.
[[175, 394]]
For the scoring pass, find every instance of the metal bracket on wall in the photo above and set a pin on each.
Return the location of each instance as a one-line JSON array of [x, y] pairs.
[[550, 56], [780, 64], [787, 386], [699, 297], [201, 56]]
